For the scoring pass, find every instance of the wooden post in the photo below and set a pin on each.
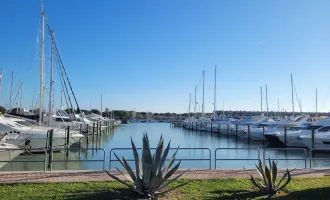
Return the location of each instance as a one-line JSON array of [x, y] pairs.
[[100, 128], [67, 141], [93, 131], [227, 130], [313, 138], [285, 136], [248, 133], [219, 129], [196, 126], [97, 129], [80, 128], [263, 135], [211, 128], [87, 135], [236, 130], [50, 152]]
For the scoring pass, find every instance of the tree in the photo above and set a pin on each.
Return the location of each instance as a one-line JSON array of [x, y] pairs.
[[95, 111], [2, 109]]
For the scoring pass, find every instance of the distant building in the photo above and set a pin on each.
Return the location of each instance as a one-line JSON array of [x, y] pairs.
[[133, 115]]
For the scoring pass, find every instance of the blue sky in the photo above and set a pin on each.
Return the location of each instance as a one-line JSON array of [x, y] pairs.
[[149, 55]]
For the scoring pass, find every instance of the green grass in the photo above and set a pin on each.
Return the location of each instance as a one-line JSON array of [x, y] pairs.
[[299, 188]]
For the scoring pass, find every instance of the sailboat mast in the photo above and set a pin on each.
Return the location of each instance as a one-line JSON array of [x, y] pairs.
[[101, 104], [51, 81], [42, 65], [203, 93], [1, 81], [267, 100], [292, 96], [261, 99], [20, 98], [215, 92], [195, 101], [189, 103], [11, 90], [316, 103], [61, 99], [278, 106]]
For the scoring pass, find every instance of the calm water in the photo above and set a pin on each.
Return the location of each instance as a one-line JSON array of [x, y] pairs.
[[120, 138]]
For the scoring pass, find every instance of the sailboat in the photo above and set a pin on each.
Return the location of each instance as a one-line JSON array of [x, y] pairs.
[[22, 132]]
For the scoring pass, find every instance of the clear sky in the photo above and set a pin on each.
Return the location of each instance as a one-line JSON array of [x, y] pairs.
[[149, 55]]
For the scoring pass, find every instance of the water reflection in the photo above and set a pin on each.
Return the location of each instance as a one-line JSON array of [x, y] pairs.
[[120, 138]]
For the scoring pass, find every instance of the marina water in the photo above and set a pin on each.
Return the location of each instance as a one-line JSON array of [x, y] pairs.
[[194, 140]]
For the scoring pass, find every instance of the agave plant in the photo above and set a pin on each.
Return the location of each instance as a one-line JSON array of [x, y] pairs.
[[269, 184], [151, 175]]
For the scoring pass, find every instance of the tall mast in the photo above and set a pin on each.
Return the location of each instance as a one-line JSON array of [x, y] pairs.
[[292, 96], [61, 98], [203, 93], [267, 100], [101, 104], [42, 63], [189, 103], [316, 103], [11, 90], [1, 81], [51, 81], [215, 92], [20, 99], [261, 99], [32, 105], [195, 102], [278, 106]]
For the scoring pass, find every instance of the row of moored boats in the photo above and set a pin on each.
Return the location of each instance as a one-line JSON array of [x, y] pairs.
[[291, 132]]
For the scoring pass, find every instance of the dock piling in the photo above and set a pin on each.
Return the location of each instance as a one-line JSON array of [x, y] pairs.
[[50, 151]]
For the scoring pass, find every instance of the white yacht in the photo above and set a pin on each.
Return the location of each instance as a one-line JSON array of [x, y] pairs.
[[243, 124], [294, 124], [21, 132], [294, 138], [321, 138], [7, 151], [221, 125]]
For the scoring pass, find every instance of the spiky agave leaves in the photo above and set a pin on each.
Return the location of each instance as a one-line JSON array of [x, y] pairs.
[[151, 172], [268, 177]]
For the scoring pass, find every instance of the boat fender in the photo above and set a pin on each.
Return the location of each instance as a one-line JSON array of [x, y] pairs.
[[27, 142]]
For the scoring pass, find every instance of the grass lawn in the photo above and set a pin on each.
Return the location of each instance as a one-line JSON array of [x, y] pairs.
[[299, 188]]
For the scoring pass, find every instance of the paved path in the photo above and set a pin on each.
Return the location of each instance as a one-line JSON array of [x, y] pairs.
[[84, 176]]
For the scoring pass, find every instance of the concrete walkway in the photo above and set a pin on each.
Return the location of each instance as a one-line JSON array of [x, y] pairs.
[[85, 176]]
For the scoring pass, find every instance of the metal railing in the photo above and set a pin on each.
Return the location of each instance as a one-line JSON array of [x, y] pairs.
[[238, 159], [182, 159], [79, 149], [311, 155], [26, 161], [287, 149]]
